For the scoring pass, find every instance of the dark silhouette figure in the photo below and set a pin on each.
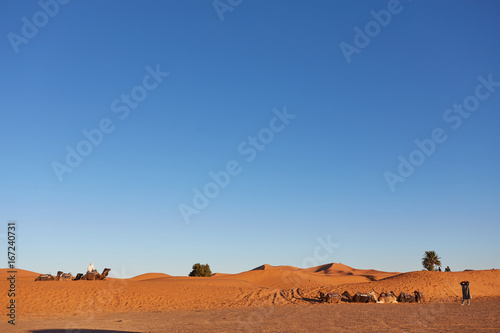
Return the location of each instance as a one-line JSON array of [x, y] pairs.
[[465, 292]]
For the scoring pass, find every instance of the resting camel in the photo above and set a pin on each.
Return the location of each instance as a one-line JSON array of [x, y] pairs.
[[406, 298], [66, 277], [329, 297], [419, 297], [105, 273], [95, 275], [384, 297], [90, 276], [359, 297], [48, 277], [347, 297], [363, 298]]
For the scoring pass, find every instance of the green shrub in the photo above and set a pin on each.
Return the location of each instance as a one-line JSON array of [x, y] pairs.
[[201, 270]]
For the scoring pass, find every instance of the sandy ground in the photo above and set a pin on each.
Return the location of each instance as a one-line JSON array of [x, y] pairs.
[[266, 299], [482, 316]]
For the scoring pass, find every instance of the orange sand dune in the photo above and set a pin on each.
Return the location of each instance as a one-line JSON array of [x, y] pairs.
[[344, 270], [149, 276], [267, 267], [21, 274], [264, 287], [289, 277], [332, 268]]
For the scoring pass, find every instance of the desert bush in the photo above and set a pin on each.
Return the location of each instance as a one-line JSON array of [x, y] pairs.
[[201, 270]]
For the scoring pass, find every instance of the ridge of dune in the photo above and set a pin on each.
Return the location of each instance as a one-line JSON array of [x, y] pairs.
[[338, 269], [21, 274], [149, 276], [272, 278], [331, 268], [269, 267], [285, 277]]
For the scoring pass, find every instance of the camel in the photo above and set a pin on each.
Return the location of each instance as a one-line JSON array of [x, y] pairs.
[[94, 275], [48, 277], [90, 276], [329, 297], [105, 273], [45, 277], [359, 297], [363, 298], [406, 298], [384, 297], [66, 277], [347, 297], [419, 297], [391, 297]]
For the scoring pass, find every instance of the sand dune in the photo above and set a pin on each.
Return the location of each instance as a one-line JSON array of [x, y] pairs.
[[332, 268], [149, 276], [21, 274], [338, 269], [268, 267], [289, 277], [220, 274], [270, 285]]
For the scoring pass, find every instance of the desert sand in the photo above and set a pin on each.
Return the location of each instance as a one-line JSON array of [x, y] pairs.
[[248, 300]]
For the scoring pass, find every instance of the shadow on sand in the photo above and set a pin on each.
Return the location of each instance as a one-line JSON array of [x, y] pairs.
[[76, 330], [311, 300]]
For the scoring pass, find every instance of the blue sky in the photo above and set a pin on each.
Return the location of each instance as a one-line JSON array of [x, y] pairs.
[[322, 175]]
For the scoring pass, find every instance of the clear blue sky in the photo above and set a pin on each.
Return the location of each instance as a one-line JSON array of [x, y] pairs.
[[322, 174]]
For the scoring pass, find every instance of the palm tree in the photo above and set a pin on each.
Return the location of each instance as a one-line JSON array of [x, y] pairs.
[[431, 260]]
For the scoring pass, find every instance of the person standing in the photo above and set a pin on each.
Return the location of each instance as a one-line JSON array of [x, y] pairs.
[[465, 292]]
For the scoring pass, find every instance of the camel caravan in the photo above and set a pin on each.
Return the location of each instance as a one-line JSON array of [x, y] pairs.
[[371, 297], [92, 274]]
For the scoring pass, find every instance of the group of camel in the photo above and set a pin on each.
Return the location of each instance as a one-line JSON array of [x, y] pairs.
[[372, 297], [94, 275]]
